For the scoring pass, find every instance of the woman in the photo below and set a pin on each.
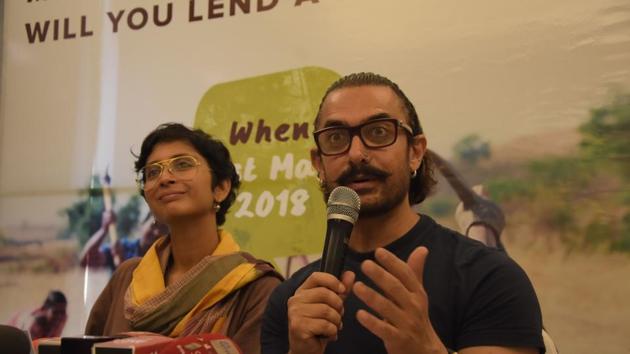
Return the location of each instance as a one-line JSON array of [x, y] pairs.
[[195, 279]]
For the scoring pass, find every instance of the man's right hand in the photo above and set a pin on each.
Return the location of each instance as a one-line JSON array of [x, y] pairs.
[[315, 312]]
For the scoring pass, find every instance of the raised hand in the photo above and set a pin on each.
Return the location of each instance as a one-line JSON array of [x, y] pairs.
[[108, 218], [403, 319]]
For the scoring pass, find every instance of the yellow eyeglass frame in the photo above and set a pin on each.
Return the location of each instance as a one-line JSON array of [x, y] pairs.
[[164, 165]]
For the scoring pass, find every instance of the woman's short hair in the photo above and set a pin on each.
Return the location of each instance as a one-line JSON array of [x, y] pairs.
[[216, 154]]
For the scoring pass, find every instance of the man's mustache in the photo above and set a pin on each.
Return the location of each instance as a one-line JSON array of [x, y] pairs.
[[365, 171]]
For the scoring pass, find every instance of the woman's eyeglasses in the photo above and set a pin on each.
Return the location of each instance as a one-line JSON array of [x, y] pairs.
[[181, 167]]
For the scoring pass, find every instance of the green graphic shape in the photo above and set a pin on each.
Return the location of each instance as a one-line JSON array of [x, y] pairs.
[[267, 123]]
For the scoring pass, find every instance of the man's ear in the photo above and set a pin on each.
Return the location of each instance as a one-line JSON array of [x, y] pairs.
[[417, 149], [316, 161], [222, 190]]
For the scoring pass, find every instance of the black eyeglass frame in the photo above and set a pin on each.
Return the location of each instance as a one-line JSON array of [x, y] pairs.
[[356, 130]]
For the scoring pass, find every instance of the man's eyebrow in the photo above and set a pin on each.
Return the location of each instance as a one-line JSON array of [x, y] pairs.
[[378, 116], [334, 123], [338, 122]]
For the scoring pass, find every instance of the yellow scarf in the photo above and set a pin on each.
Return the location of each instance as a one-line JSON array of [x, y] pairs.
[[150, 305]]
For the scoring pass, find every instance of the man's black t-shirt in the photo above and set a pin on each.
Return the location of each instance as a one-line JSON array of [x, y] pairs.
[[477, 296]]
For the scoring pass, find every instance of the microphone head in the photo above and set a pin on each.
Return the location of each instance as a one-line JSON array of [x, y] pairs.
[[344, 203]]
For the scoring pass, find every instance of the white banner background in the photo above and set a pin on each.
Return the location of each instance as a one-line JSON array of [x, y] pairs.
[[73, 107]]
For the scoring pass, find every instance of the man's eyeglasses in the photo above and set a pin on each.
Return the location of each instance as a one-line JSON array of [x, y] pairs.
[[376, 133], [182, 167]]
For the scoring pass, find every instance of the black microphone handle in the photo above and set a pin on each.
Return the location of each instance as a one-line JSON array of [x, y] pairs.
[[337, 236]]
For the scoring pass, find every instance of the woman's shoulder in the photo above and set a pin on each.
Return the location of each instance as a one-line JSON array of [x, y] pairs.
[[125, 270], [265, 283], [128, 265], [265, 267]]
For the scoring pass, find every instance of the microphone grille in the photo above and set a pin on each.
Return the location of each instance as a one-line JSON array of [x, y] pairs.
[[344, 203]]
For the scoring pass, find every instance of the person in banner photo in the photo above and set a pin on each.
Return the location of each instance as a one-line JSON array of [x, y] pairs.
[[410, 285], [47, 320], [97, 254], [195, 279]]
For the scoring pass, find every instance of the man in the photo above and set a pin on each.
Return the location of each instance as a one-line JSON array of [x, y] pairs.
[[410, 285], [47, 320]]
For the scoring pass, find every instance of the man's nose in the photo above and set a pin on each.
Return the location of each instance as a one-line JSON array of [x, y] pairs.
[[358, 151]]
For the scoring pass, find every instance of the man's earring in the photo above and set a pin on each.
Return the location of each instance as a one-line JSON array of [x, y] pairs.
[[415, 172]]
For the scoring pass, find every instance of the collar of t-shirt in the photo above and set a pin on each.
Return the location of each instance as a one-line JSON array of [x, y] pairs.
[[402, 245]]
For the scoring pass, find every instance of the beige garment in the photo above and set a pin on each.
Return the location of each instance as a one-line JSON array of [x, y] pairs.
[[107, 315]]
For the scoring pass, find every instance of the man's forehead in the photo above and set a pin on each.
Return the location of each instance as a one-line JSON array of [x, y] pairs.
[[359, 103]]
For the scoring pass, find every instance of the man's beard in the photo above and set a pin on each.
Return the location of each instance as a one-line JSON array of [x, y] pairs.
[[393, 196]]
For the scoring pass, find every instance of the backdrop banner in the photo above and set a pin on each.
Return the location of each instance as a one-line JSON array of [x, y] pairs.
[[530, 99]]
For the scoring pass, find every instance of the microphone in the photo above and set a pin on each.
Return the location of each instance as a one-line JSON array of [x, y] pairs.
[[343, 212]]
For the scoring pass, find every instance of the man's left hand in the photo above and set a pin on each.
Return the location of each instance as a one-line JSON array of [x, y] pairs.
[[404, 324]]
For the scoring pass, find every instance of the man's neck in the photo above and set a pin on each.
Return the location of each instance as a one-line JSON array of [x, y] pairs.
[[372, 232]]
